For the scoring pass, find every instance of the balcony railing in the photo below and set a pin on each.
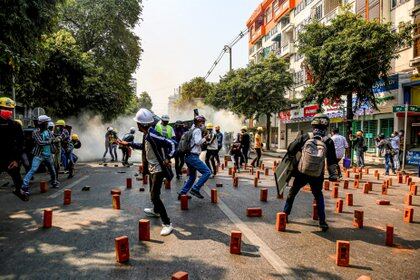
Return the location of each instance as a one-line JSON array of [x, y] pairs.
[[331, 15], [287, 49]]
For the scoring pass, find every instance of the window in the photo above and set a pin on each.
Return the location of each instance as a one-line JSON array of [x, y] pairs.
[[298, 78], [393, 3], [416, 37], [268, 15], [318, 12], [275, 7]]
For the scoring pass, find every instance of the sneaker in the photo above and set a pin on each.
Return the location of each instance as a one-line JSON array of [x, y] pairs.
[[323, 226], [150, 213], [166, 229], [196, 194], [179, 196], [386, 173], [55, 185], [24, 196]]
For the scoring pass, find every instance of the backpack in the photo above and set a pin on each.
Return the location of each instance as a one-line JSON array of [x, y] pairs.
[[184, 145], [312, 161]]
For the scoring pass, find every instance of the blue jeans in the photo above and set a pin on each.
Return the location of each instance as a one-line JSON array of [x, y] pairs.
[[360, 155], [388, 163], [194, 163], [36, 162]]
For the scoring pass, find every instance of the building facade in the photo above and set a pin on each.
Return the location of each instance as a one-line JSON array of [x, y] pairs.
[[274, 28]]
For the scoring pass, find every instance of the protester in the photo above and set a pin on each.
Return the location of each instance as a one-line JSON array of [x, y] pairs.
[[158, 151], [164, 129], [212, 148], [62, 139], [126, 150], [192, 159], [72, 159], [395, 144], [24, 157], [340, 144], [401, 151], [43, 153], [236, 153], [110, 144], [315, 147], [219, 136], [11, 145], [258, 144], [179, 130], [385, 150], [360, 148], [245, 140]]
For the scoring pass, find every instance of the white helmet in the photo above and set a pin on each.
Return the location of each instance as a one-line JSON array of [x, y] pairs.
[[43, 119], [110, 128], [165, 118], [144, 116], [132, 130], [50, 124]]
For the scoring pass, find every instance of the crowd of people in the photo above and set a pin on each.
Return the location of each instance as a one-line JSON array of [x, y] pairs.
[[49, 144]]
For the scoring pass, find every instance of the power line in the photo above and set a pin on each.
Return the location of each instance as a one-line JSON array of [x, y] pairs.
[[226, 48]]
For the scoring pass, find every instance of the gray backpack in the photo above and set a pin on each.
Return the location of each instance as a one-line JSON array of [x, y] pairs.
[[184, 145], [314, 152]]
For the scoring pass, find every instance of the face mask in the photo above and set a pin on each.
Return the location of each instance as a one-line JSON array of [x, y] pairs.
[[6, 114]]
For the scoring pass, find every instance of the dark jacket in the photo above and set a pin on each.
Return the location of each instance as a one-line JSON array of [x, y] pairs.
[[359, 143], [11, 140], [297, 145], [245, 140]]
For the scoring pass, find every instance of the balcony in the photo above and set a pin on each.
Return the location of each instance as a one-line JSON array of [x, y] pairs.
[[284, 7], [287, 50], [330, 16], [257, 34], [287, 27]]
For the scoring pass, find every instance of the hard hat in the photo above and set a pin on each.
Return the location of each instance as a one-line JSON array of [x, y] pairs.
[[144, 117], [110, 128], [200, 118], [244, 128], [209, 126], [43, 119], [132, 129], [60, 122], [217, 126], [6, 102], [320, 120], [74, 137], [259, 128], [19, 122], [165, 118], [50, 124]]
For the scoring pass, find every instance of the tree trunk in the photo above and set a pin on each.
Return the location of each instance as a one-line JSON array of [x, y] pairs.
[[268, 131], [349, 121]]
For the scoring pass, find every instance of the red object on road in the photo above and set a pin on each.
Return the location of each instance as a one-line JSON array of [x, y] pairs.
[[342, 253], [383, 202], [257, 174], [349, 199], [235, 242], [222, 166], [47, 218], [167, 184], [347, 174], [408, 199], [116, 202], [334, 193], [400, 179], [339, 206], [377, 176], [358, 219], [67, 196], [389, 235], [251, 170], [263, 194], [230, 171], [367, 170], [116, 191], [366, 188], [409, 180], [43, 186], [406, 179], [184, 202], [254, 212], [144, 230], [327, 185], [256, 182], [413, 189], [122, 250], [357, 177], [346, 184], [384, 190], [213, 196], [314, 212], [356, 184], [281, 221], [129, 183], [180, 275], [408, 215], [267, 172], [235, 181]]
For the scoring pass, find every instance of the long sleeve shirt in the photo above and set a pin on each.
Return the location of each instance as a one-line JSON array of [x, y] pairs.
[[395, 142], [42, 139], [340, 144], [196, 141], [11, 140]]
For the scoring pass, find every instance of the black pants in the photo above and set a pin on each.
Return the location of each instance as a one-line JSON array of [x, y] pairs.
[[236, 157], [158, 207], [125, 153], [316, 188], [244, 158], [14, 173], [217, 155], [258, 158], [179, 163], [210, 158]]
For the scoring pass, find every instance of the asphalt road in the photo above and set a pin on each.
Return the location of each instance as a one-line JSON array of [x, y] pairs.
[[81, 242]]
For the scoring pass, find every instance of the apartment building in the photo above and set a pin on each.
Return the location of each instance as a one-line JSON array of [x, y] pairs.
[[275, 26]]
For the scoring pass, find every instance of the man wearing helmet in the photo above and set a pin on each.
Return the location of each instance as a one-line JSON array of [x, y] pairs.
[[219, 136], [245, 140], [11, 145], [211, 141], [62, 139], [157, 152], [111, 139], [164, 129], [309, 151], [126, 150], [258, 146], [72, 158]]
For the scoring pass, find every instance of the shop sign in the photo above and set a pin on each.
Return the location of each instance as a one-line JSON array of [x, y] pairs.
[[285, 115], [413, 157], [381, 86], [296, 113], [401, 108], [310, 111]]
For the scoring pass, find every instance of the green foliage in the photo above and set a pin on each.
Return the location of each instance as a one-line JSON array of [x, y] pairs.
[[348, 57], [197, 88], [145, 101]]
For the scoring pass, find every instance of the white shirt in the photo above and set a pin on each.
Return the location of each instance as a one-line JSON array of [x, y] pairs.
[[196, 141], [340, 144], [395, 142]]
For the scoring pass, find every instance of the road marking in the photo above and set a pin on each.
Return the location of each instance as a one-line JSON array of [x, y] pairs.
[[276, 262], [54, 195]]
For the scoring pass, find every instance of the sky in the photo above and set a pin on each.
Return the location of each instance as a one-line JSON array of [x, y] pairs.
[[182, 38]]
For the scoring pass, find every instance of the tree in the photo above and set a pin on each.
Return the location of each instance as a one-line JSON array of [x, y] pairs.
[[258, 89], [197, 88], [347, 58], [145, 101]]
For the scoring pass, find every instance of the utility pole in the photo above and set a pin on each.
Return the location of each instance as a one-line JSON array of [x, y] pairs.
[[405, 136], [229, 49]]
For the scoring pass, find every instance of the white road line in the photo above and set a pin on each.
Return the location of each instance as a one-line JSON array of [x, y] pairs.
[[276, 262], [54, 195]]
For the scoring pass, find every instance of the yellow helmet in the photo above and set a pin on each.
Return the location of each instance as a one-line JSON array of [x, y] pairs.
[[244, 128], [19, 122], [6, 102], [60, 122], [209, 126], [74, 137], [259, 128]]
